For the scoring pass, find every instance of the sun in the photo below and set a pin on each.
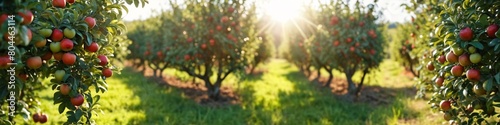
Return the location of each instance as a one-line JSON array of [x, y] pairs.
[[283, 10]]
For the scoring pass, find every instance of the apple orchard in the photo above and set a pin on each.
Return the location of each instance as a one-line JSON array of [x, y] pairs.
[[75, 47]]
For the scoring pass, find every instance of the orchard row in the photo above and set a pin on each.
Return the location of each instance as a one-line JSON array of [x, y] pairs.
[[208, 40]]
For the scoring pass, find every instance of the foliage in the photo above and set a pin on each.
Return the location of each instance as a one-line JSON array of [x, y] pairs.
[[402, 47], [34, 31], [464, 89], [353, 34]]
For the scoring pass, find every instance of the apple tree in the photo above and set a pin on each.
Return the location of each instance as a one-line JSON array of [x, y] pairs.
[[265, 48], [464, 45], [403, 45], [299, 39], [348, 40], [150, 38], [66, 41], [215, 39]]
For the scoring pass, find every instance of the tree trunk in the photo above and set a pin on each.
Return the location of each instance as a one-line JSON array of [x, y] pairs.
[[143, 64], [319, 73], [358, 90], [213, 90], [154, 73], [330, 78], [308, 71], [252, 69], [194, 81], [351, 86], [411, 65]]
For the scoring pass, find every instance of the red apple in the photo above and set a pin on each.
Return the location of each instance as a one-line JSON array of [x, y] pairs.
[[4, 61], [445, 105], [77, 100], [224, 19], [57, 35], [430, 66], [59, 3], [336, 43], [439, 81], [457, 70], [69, 58], [187, 57], [361, 24], [212, 42], [442, 59], [34, 62], [27, 16], [107, 72], [203, 46], [349, 40], [90, 22], [64, 89], [58, 56], [43, 118], [466, 34], [450, 57], [36, 117], [104, 60], [66, 45], [47, 55], [334, 20], [473, 75], [491, 30], [93, 47], [464, 60]]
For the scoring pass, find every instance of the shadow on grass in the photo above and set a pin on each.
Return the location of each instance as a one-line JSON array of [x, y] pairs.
[[377, 105], [170, 105], [303, 104]]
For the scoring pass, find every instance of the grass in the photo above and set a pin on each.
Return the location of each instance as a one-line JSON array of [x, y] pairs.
[[280, 96]]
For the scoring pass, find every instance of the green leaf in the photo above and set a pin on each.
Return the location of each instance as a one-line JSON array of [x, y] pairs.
[[65, 78], [493, 42], [125, 8], [477, 45], [488, 85], [497, 78], [26, 114], [61, 108], [129, 1], [136, 2], [88, 38], [57, 97], [78, 113]]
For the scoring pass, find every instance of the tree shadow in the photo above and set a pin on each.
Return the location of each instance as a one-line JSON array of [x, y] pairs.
[[178, 104], [376, 104]]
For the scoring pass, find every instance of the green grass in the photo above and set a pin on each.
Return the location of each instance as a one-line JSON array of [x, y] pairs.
[[280, 96]]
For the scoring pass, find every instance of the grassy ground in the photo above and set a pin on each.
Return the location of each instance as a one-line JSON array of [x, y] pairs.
[[282, 95]]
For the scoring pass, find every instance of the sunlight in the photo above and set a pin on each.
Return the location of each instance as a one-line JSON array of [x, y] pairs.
[[283, 10]]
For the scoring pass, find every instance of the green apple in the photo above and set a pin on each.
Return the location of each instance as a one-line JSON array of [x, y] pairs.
[[475, 58], [457, 50], [55, 47], [59, 75], [472, 49], [46, 32], [69, 33]]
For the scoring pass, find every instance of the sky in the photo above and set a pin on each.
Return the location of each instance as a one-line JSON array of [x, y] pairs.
[[391, 10]]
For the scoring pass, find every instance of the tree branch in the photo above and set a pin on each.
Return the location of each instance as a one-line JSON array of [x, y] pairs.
[[191, 73]]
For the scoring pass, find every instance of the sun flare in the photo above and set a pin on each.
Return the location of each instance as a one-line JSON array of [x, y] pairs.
[[283, 10]]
